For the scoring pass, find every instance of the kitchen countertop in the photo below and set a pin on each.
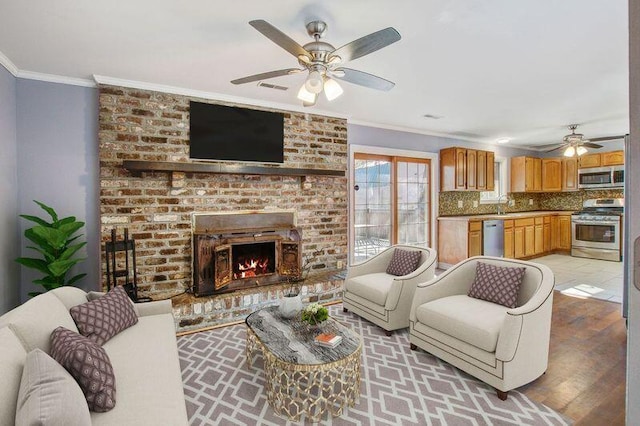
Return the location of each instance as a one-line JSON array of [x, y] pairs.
[[507, 216]]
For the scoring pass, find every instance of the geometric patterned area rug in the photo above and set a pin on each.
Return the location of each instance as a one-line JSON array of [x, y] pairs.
[[399, 386]]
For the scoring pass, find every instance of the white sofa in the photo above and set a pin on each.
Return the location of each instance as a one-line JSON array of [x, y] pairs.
[[381, 298], [504, 347], [144, 357]]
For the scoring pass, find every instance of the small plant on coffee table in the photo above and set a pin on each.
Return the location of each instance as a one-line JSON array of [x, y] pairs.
[[315, 313]]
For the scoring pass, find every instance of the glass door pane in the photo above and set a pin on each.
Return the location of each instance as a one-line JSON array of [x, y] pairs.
[[412, 202], [373, 203]]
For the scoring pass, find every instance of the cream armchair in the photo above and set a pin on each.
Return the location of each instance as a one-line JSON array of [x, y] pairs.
[[381, 298], [504, 347]]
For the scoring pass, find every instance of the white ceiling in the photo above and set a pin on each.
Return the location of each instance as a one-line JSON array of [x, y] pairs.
[[491, 68]]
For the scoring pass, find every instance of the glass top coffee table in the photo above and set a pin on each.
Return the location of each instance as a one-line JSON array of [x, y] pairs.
[[303, 377]]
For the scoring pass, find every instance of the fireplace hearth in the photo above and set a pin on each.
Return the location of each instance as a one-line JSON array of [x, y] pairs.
[[242, 250]]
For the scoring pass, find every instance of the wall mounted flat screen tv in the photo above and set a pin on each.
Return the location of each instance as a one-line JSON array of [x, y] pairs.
[[225, 133]]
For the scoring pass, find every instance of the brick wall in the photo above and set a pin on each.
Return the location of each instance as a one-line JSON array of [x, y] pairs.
[[156, 207]]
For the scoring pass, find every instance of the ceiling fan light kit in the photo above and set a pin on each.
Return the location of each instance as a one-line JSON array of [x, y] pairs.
[[323, 62]]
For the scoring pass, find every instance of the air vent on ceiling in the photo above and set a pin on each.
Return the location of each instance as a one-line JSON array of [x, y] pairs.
[[272, 86], [433, 117]]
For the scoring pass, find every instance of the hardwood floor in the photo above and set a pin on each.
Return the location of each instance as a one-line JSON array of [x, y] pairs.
[[586, 379]]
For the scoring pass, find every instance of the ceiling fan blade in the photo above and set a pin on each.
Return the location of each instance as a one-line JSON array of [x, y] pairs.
[[555, 147], [607, 138], [591, 145], [266, 75], [367, 44], [279, 38], [363, 79]]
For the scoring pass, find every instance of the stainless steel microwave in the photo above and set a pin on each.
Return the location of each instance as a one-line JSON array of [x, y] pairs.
[[601, 177]]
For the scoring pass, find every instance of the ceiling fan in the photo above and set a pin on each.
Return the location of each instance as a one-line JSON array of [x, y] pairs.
[[324, 62], [576, 144]]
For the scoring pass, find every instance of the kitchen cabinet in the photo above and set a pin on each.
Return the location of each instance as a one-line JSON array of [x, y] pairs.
[[475, 238], [538, 239], [570, 174], [491, 178], [472, 169], [555, 232], [508, 239], [564, 232], [613, 158], [551, 174], [546, 234], [526, 174], [466, 169], [481, 172], [518, 242], [590, 160], [524, 237]]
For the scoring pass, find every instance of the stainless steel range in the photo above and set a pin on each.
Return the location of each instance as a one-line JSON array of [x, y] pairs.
[[596, 230]]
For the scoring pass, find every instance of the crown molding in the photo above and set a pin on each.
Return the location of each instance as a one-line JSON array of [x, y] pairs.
[[416, 131], [10, 66], [113, 81], [52, 78]]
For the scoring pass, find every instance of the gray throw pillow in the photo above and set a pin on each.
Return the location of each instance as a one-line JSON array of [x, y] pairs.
[[404, 262], [48, 394], [497, 284], [103, 318], [89, 364]]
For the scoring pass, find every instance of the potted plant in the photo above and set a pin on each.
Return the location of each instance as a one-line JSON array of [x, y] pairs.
[[53, 240], [315, 313]]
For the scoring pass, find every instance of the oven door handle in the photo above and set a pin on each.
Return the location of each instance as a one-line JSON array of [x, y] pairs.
[[593, 222]]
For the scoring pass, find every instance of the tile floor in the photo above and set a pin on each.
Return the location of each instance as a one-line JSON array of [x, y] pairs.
[[577, 276]]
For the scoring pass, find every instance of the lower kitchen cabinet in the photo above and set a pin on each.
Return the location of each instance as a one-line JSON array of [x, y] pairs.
[[508, 239], [538, 239], [564, 229], [475, 238], [546, 234]]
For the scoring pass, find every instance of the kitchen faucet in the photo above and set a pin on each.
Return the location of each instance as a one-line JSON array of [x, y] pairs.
[[500, 208]]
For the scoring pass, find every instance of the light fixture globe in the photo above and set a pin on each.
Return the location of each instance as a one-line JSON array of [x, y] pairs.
[[332, 89], [305, 96], [581, 150], [569, 152], [314, 82]]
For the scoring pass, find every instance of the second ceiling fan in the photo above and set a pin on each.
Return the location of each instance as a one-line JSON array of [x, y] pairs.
[[323, 62]]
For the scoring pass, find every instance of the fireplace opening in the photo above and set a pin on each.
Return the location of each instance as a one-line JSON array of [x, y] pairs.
[[253, 260]]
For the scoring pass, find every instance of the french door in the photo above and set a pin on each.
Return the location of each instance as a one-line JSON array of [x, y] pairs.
[[392, 203]]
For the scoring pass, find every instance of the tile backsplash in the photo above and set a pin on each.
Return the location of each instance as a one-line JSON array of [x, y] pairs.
[[539, 201]]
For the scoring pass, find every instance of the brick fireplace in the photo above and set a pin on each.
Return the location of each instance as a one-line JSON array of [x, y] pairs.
[[159, 207]]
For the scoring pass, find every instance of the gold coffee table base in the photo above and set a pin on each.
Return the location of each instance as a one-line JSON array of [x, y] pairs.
[[312, 390]]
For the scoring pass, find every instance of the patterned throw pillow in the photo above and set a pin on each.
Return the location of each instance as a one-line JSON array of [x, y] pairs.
[[497, 284], [103, 318], [404, 262], [89, 364]]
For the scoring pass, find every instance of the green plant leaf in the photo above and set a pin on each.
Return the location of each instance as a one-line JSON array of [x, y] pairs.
[[68, 229], [60, 267], [76, 278], [42, 242], [47, 256], [48, 209], [66, 220], [71, 250], [54, 238], [36, 220], [34, 293], [30, 262]]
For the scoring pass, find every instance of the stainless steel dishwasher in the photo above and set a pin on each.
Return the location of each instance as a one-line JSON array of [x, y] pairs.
[[493, 238]]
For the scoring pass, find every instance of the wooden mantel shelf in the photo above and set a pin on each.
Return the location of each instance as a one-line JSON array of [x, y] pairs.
[[166, 166]]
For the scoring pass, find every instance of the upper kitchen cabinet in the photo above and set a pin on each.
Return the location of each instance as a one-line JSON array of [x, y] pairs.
[[466, 170], [526, 174], [602, 159], [551, 174], [570, 174], [613, 158]]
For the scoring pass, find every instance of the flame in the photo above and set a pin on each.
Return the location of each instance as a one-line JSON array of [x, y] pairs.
[[252, 268]]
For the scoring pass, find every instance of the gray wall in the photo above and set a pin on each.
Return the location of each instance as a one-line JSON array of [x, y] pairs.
[[57, 133], [9, 234], [373, 136]]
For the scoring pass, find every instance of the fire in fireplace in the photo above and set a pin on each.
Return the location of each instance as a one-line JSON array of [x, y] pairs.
[[253, 260]]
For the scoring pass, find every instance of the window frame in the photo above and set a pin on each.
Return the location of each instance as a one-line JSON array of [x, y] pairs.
[[503, 183]]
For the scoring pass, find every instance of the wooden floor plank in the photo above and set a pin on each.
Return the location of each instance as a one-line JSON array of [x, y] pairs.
[[585, 380]]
